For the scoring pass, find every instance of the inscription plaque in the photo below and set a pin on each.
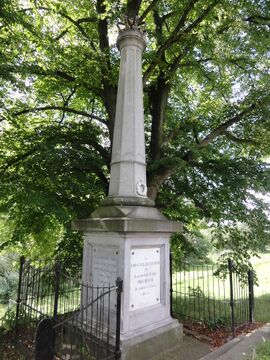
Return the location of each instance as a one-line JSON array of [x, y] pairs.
[[105, 265], [144, 277]]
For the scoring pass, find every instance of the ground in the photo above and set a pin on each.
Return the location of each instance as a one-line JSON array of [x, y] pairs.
[[215, 338], [219, 336], [8, 349]]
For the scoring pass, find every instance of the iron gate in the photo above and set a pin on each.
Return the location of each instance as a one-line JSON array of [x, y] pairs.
[[78, 321]]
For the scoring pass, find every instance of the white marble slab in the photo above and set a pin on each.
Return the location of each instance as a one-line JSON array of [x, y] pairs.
[[144, 277]]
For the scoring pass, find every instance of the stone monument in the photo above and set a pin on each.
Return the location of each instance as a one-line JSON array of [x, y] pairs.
[[127, 236]]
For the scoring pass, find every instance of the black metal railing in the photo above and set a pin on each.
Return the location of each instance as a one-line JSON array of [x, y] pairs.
[[201, 293], [88, 333], [80, 321], [44, 290]]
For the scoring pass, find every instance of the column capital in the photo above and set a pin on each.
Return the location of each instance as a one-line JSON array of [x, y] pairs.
[[131, 38]]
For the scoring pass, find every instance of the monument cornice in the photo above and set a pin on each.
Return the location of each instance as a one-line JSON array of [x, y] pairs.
[[126, 225]]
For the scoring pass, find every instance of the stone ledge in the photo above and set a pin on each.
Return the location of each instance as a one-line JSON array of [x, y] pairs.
[[126, 219], [128, 201], [130, 212], [126, 225], [153, 342]]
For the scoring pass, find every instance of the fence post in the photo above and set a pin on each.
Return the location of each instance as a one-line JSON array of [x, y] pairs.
[[119, 284], [57, 286], [171, 286], [230, 267], [251, 295], [22, 261]]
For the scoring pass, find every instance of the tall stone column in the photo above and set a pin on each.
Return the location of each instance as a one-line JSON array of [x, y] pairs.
[[127, 236], [128, 175]]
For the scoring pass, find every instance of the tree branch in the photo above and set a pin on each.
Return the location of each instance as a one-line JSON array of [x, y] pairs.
[[103, 152], [133, 7], [20, 158], [147, 10], [201, 17], [62, 34], [61, 108], [79, 27], [177, 34], [223, 127], [196, 62], [86, 19], [69, 18], [155, 181], [36, 70], [66, 102], [198, 204], [109, 90], [163, 172], [175, 64], [258, 19], [98, 171], [237, 140], [183, 18]]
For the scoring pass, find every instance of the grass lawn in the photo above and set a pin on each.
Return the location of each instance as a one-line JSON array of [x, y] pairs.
[[199, 295], [262, 352], [262, 291], [262, 267]]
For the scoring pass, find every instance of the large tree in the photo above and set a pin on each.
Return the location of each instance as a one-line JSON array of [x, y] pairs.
[[205, 77]]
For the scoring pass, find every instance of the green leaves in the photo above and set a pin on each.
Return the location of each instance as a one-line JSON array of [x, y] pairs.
[[206, 93]]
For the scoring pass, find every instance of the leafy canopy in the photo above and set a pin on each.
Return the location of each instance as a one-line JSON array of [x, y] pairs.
[[205, 76]]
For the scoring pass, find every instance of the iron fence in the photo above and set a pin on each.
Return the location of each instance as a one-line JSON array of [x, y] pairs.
[[44, 290], [80, 321], [201, 293]]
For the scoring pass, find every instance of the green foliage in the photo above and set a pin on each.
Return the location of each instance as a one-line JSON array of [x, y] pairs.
[[195, 292], [239, 243], [8, 278], [206, 82], [190, 246], [262, 352], [69, 251], [8, 320], [217, 323]]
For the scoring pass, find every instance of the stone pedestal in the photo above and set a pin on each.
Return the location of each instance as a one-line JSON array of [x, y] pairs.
[[133, 242]]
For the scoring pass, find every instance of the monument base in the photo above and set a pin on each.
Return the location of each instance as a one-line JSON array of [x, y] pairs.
[[133, 243], [152, 342]]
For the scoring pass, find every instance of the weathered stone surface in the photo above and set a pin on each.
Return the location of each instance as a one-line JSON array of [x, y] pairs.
[[128, 175], [135, 323], [153, 342], [131, 212], [127, 219], [128, 201], [126, 225]]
